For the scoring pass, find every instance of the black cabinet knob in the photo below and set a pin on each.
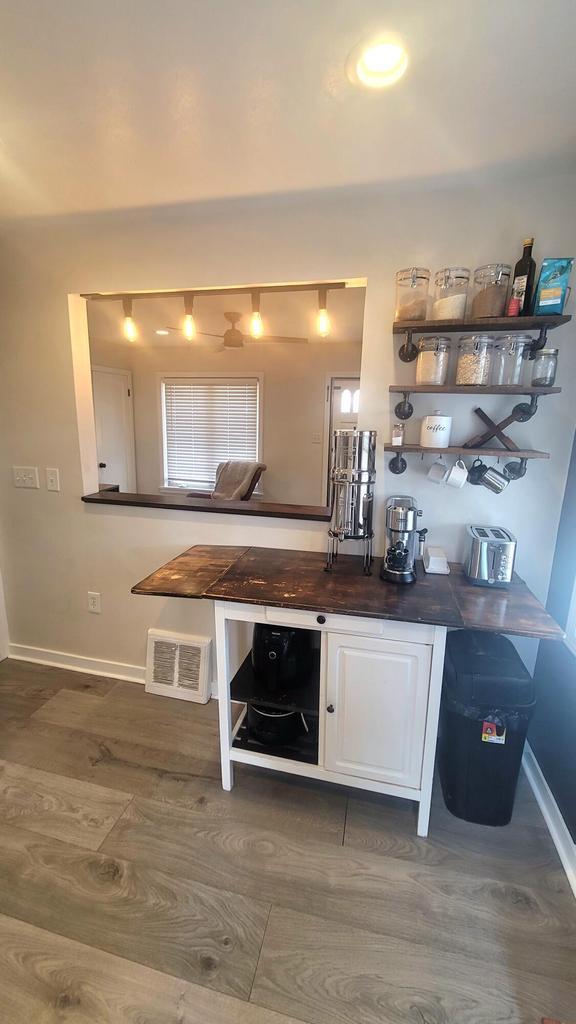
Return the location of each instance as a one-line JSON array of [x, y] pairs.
[[330, 709], [320, 619], [102, 465]]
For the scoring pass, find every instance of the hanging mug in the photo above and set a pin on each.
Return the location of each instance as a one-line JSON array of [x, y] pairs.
[[438, 471], [476, 471], [457, 475], [494, 480]]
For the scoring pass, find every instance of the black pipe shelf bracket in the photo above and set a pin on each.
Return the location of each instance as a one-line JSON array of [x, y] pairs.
[[404, 409], [408, 352]]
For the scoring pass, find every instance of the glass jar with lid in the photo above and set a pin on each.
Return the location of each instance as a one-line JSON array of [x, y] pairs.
[[508, 358], [491, 289], [451, 293], [475, 355], [544, 368], [433, 359], [412, 293]]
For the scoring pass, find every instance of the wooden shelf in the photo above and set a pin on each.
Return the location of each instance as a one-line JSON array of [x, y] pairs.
[[490, 325], [510, 453], [454, 389]]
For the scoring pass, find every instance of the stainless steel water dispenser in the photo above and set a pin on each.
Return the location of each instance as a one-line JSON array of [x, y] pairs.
[[352, 477]]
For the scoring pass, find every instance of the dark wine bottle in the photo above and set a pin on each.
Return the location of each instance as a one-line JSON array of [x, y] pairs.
[[520, 301]]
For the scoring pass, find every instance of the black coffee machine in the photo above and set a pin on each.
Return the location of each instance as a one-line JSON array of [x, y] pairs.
[[282, 659]]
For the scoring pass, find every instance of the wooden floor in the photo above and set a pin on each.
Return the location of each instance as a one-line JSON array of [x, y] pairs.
[[134, 890]]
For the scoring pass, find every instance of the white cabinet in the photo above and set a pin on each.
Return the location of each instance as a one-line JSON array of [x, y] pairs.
[[377, 698]]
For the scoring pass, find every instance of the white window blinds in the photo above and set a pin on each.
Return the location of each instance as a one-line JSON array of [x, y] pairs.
[[207, 420]]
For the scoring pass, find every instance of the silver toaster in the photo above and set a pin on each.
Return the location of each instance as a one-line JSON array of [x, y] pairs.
[[490, 561]]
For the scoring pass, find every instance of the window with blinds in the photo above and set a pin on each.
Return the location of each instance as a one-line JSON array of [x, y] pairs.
[[207, 420]]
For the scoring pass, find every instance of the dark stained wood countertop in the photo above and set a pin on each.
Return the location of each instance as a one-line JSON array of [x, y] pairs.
[[296, 579], [182, 503]]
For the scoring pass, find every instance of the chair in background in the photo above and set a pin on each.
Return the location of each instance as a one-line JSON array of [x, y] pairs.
[[235, 481]]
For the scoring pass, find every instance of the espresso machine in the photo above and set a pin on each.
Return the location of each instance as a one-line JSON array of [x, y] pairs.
[[352, 477], [404, 541]]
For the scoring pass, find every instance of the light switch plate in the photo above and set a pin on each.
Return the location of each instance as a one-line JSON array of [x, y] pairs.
[[52, 479], [25, 476]]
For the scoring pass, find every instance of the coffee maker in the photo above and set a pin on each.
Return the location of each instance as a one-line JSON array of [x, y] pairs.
[[404, 541]]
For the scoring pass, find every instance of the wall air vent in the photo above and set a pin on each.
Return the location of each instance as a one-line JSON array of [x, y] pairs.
[[178, 665]]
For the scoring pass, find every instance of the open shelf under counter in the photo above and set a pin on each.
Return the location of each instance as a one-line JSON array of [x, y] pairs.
[[466, 389], [304, 749], [246, 689], [510, 453]]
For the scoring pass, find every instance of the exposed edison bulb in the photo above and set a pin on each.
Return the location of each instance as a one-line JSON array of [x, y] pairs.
[[256, 325], [130, 329], [378, 64], [189, 327], [323, 323]]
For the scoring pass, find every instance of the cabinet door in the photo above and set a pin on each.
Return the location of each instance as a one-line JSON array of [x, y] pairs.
[[379, 692]]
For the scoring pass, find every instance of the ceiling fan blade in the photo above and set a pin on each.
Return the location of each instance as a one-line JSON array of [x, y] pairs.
[[276, 338], [206, 334]]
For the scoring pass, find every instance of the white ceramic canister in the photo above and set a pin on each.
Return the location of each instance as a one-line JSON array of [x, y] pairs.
[[435, 430]]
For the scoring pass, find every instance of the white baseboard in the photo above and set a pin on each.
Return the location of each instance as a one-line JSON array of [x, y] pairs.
[[565, 845], [78, 663]]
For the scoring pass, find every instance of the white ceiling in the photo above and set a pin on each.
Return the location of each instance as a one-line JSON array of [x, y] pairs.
[[124, 103], [291, 314]]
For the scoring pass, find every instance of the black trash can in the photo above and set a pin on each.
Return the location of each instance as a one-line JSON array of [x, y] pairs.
[[487, 702]]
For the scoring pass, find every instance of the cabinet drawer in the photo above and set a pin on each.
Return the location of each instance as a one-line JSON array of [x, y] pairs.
[[414, 631]]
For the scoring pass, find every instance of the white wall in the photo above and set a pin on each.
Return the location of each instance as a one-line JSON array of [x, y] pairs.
[[57, 548]]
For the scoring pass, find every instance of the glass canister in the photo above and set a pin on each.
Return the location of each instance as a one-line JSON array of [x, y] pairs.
[[508, 357], [412, 293], [544, 368], [475, 355], [433, 359], [491, 284], [451, 293]]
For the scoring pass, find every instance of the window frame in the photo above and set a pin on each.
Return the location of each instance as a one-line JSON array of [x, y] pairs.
[[205, 375]]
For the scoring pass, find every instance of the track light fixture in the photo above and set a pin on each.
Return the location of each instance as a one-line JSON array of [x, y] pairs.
[[256, 326], [189, 326], [130, 329], [322, 320]]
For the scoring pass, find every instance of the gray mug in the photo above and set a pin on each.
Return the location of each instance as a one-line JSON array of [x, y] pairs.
[[494, 480]]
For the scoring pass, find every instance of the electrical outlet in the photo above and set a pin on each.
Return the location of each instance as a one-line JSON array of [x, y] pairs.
[[25, 476], [52, 479], [94, 602]]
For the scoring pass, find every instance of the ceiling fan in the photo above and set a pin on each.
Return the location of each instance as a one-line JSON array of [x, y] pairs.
[[233, 337]]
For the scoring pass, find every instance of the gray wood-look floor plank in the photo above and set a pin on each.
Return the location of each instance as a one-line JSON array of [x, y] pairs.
[[456, 911], [264, 798], [77, 812], [190, 729], [522, 853], [182, 928], [328, 973], [48, 979], [25, 687]]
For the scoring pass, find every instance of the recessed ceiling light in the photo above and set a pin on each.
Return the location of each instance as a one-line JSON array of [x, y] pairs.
[[377, 64], [162, 332]]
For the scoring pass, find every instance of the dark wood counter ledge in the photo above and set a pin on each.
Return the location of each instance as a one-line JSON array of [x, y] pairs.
[[181, 503], [296, 579]]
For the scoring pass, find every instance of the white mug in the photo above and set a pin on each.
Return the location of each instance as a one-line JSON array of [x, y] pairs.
[[457, 475], [435, 431], [437, 472]]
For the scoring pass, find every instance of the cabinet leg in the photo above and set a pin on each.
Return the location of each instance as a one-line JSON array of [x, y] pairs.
[[224, 703], [424, 815]]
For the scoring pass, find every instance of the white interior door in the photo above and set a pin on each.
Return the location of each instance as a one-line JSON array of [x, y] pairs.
[[343, 405], [378, 690], [112, 390]]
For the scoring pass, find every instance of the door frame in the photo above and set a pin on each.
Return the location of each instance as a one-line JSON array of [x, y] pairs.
[[128, 416]]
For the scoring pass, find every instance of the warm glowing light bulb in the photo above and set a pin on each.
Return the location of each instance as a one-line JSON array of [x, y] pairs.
[[378, 64], [256, 325], [189, 327], [130, 329], [323, 323]]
